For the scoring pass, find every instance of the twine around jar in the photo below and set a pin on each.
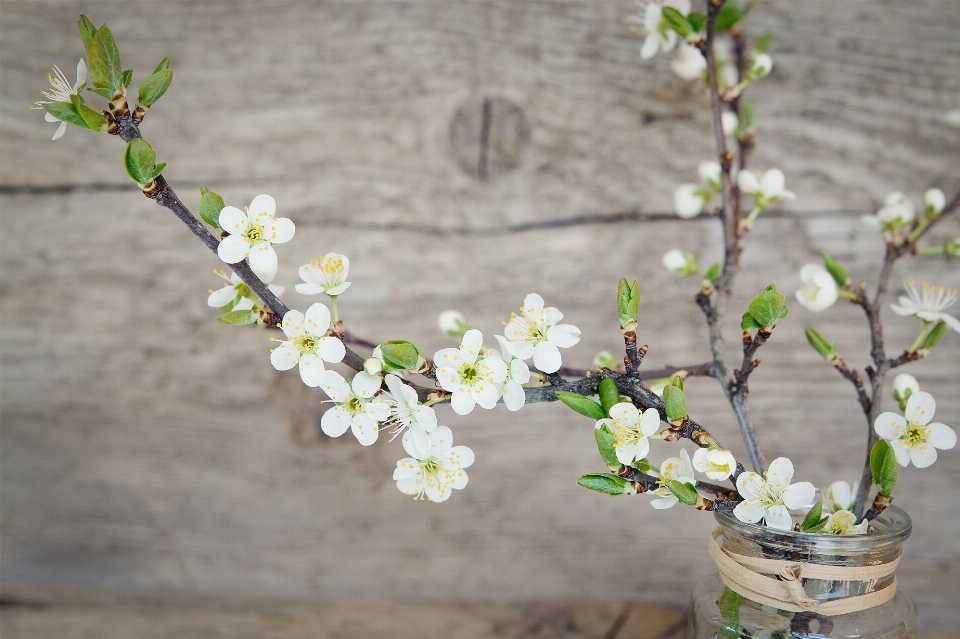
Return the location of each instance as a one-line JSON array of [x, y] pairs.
[[746, 576]]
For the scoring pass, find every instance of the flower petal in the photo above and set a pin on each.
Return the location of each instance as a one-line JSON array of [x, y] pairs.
[[748, 182], [335, 386], [780, 472], [233, 249], [920, 408], [331, 350], [532, 303], [426, 418], [440, 441], [901, 451], [365, 385], [232, 220], [749, 511], [335, 421], [889, 425], [492, 369], [262, 256], [941, 436], [364, 429], [513, 395], [799, 495], [263, 204], [923, 455], [486, 394], [750, 485], [284, 357], [462, 455], [312, 370], [283, 230], [649, 422], [416, 444], [563, 335], [546, 357], [222, 296], [462, 402], [470, 346], [778, 517]]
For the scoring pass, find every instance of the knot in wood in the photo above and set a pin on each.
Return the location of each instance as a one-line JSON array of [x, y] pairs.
[[488, 135]]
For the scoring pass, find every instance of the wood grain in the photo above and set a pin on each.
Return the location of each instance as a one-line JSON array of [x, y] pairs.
[[146, 445]]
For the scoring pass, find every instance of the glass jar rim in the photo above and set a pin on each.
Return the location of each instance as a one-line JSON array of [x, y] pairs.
[[896, 523]]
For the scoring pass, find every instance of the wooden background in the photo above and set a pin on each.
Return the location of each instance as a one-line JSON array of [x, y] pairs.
[[144, 445]]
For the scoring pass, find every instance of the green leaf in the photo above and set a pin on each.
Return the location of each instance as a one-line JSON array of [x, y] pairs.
[[819, 526], [747, 113], [686, 493], [676, 20], [767, 307], [747, 322], [713, 273], [154, 86], [934, 335], [105, 93], [603, 483], [644, 466], [822, 346], [729, 604], [628, 301], [87, 32], [210, 206], [127, 77], [609, 395], [728, 16], [164, 64], [814, 516], [66, 112], [836, 271], [607, 445], [92, 119], [400, 354], [697, 21], [677, 381], [675, 401], [105, 69], [140, 160], [239, 318], [883, 466], [583, 405], [763, 42]]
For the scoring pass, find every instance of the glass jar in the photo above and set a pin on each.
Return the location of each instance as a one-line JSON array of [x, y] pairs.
[[720, 613]]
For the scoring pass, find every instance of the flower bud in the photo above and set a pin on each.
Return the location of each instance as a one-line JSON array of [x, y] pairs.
[[688, 201], [822, 346], [372, 366], [933, 201], [452, 323], [761, 66], [680, 263], [605, 359], [952, 248], [904, 385], [710, 171], [729, 123]]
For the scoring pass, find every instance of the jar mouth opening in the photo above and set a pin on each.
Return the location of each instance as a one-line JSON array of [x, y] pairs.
[[893, 526]]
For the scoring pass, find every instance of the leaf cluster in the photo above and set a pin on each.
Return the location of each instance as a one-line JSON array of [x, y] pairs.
[[764, 310]]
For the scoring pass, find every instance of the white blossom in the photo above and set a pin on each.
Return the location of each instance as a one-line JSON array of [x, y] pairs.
[[536, 333], [767, 188], [760, 66], [689, 64], [406, 411], [839, 496], [896, 214], [452, 323], [915, 436], [659, 35], [253, 232], [356, 407], [928, 305], [715, 463], [689, 201], [434, 468], [729, 122], [631, 430], [771, 496], [681, 262], [235, 287], [60, 91], [326, 275], [518, 373], [818, 290], [844, 522], [470, 378], [673, 469], [308, 345], [933, 201]]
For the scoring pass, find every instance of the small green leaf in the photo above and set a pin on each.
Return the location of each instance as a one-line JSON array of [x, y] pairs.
[[127, 77], [105, 69], [747, 113], [729, 604], [676, 20], [164, 64], [105, 93], [686, 493], [696, 20], [644, 466], [239, 318], [677, 381], [836, 271], [763, 42], [400, 354], [883, 467], [210, 206], [814, 516], [607, 445], [66, 112], [92, 119], [628, 301], [154, 86], [675, 402], [87, 32], [822, 346], [819, 526], [609, 395], [713, 273], [583, 405], [767, 307], [728, 16], [140, 160], [747, 322], [603, 483], [934, 335]]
